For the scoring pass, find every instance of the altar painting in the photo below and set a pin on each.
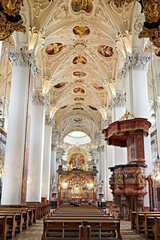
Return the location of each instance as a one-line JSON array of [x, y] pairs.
[[85, 5]]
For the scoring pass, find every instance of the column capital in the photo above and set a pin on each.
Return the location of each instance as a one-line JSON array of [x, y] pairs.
[[48, 120], [119, 100], [137, 60], [53, 147], [39, 99], [156, 104], [158, 77], [23, 58], [100, 148]]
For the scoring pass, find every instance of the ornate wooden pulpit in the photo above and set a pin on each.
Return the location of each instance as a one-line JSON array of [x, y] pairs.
[[128, 181]]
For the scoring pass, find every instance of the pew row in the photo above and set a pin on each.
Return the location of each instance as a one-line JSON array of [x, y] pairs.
[[62, 228], [146, 223], [15, 219]]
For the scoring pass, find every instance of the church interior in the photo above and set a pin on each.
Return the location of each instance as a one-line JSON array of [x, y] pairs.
[[79, 119]]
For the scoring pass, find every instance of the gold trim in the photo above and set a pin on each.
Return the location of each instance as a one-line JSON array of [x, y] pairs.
[[126, 116], [2, 128]]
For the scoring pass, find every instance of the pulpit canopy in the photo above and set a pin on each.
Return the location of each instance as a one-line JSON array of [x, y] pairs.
[[117, 132]]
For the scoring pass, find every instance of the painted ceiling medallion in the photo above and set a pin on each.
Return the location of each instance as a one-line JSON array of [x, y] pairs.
[[54, 48], [93, 108], [78, 108], [59, 85], [79, 99], [63, 107], [81, 30], [76, 90], [79, 74], [80, 59], [157, 52], [77, 119], [97, 86], [105, 51], [85, 5]]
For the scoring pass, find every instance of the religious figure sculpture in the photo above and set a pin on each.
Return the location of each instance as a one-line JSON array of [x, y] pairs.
[[140, 176], [120, 177], [53, 185]]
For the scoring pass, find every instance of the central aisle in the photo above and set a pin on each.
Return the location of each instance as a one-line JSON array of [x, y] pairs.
[[35, 232]]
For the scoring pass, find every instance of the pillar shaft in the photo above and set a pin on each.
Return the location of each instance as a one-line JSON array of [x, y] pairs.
[[47, 159], [35, 165], [137, 96], [118, 110], [53, 162], [14, 157]]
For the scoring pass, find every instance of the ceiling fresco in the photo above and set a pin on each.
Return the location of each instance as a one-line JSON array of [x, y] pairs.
[[78, 90], [80, 48], [105, 51], [79, 59], [79, 74], [81, 30], [85, 5], [54, 48]]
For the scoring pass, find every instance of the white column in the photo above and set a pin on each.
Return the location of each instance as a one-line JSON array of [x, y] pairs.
[[101, 162], [12, 182], [35, 164], [47, 158], [158, 123], [53, 162], [110, 163], [118, 110], [136, 86]]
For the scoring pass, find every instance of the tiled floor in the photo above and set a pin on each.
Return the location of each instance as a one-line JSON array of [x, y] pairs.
[[35, 232]]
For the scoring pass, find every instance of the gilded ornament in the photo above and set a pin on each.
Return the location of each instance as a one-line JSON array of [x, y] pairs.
[[10, 20], [153, 34], [126, 116], [11, 7], [151, 28], [152, 10]]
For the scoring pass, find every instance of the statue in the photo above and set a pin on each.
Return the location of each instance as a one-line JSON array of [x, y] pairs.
[[140, 176], [53, 185], [120, 177], [100, 188]]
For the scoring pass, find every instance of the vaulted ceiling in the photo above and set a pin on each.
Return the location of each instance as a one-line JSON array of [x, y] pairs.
[[80, 46]]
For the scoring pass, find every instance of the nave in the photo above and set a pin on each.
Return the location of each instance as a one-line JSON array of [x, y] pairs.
[[36, 231]]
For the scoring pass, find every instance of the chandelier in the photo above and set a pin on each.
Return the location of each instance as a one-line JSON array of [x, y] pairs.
[[2, 170]]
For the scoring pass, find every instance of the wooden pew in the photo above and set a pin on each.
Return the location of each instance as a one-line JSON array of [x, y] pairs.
[[41, 209], [3, 227], [138, 220], [22, 213], [156, 228], [10, 225], [61, 226]]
